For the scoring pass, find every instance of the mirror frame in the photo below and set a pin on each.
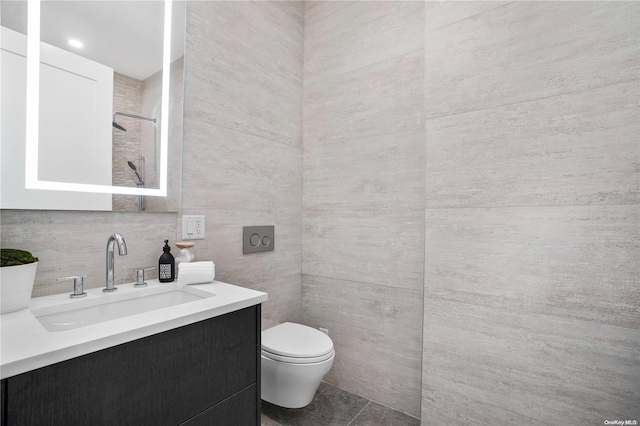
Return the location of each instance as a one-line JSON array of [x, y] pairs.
[[33, 110]]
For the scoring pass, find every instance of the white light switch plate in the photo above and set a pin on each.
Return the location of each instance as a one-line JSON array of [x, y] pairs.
[[192, 227]]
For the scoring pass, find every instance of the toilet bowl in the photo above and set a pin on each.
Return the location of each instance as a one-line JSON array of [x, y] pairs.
[[294, 360]]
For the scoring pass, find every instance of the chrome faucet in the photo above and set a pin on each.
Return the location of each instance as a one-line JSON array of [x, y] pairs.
[[122, 250]]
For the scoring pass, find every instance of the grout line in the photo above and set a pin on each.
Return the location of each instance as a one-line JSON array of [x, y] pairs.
[[366, 210], [521, 312], [524, 101], [407, 53], [302, 185], [424, 223], [532, 206], [244, 132], [396, 410], [363, 408], [383, 60], [313, 208], [363, 282], [316, 145]]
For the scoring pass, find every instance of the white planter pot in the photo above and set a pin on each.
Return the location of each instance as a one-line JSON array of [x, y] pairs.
[[16, 284]]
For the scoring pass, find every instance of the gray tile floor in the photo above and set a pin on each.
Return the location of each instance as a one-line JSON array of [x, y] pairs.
[[333, 406]]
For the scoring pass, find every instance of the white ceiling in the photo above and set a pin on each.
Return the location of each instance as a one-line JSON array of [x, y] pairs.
[[125, 35]]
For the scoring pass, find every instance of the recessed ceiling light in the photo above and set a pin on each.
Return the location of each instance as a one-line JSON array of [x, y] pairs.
[[76, 43]]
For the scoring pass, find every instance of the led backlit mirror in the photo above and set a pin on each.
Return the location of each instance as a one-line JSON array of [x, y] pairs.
[[101, 104]]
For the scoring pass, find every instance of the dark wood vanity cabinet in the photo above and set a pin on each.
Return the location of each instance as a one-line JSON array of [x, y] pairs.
[[206, 373]]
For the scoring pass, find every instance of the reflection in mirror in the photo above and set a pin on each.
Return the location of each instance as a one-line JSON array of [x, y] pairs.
[[101, 80]]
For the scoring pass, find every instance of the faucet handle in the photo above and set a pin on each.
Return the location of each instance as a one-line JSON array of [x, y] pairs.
[[140, 276], [78, 284]]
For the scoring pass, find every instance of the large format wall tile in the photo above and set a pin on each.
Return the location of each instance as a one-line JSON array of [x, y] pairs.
[[441, 13], [441, 406], [229, 85], [361, 34], [243, 143], [395, 386], [376, 332], [385, 97], [223, 245], [575, 262], [580, 148], [269, 33], [540, 366], [74, 243], [284, 303], [235, 170], [363, 234], [278, 24], [276, 272], [532, 223], [373, 246], [529, 50], [369, 309], [380, 172]]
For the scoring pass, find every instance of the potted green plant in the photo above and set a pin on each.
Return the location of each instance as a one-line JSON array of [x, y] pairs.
[[17, 275]]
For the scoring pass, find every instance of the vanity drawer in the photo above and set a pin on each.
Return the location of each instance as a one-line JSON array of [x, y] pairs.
[[163, 379]]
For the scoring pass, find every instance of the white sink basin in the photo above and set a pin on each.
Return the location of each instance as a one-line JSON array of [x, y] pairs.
[[93, 310]]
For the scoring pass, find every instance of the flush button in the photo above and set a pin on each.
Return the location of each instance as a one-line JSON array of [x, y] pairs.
[[256, 239]]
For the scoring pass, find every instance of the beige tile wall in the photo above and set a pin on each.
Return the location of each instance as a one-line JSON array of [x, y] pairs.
[[242, 152], [533, 217], [74, 243], [377, 335], [529, 240], [363, 238]]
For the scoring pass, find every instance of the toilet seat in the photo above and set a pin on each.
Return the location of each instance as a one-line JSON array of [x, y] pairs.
[[296, 344], [292, 360]]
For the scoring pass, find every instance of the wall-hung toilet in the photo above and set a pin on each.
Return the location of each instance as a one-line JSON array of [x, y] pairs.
[[294, 359]]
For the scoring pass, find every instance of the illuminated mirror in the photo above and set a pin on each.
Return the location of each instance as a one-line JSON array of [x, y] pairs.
[[101, 104]]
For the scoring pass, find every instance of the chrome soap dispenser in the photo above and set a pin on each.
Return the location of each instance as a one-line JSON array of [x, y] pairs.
[[166, 265]]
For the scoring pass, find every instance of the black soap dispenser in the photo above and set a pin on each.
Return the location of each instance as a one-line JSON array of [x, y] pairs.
[[166, 265]]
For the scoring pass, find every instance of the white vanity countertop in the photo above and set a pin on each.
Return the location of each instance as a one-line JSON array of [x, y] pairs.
[[25, 344]]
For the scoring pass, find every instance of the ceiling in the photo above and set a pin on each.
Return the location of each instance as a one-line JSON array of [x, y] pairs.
[[124, 35]]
